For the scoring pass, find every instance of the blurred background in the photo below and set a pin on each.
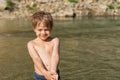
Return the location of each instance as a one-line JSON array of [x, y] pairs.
[[89, 31], [61, 8]]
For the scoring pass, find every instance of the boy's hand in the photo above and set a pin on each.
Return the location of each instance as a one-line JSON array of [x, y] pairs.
[[55, 75], [49, 76]]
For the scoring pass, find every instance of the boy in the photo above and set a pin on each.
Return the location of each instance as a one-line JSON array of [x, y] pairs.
[[44, 50]]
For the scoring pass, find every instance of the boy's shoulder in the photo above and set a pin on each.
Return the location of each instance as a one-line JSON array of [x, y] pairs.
[[30, 43], [54, 39], [51, 39]]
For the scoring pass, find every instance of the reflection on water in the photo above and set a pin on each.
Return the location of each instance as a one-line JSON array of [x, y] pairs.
[[90, 48], [8, 25]]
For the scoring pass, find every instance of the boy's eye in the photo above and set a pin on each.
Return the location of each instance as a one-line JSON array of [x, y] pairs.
[[40, 30], [46, 29]]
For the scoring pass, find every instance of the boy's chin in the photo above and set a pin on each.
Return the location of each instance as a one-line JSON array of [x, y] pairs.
[[44, 39]]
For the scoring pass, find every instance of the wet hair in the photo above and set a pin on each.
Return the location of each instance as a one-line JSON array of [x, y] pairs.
[[42, 17]]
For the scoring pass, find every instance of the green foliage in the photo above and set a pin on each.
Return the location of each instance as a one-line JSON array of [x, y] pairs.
[[111, 6], [118, 7], [97, 0], [32, 8], [10, 5], [73, 1], [115, 0]]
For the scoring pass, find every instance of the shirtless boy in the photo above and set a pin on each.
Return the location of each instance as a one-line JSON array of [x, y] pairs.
[[44, 50]]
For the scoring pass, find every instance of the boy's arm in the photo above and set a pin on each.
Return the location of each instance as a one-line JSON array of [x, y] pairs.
[[55, 56], [37, 61]]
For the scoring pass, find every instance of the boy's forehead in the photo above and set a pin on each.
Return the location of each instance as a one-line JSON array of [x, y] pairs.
[[42, 26]]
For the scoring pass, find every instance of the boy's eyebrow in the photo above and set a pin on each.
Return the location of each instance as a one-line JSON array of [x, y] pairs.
[[45, 27]]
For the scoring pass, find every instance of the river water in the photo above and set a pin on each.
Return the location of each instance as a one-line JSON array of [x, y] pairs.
[[90, 48]]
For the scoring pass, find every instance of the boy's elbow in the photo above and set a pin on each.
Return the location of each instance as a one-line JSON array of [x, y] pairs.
[[35, 58]]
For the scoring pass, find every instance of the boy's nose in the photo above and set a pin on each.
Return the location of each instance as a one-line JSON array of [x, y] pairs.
[[43, 32]]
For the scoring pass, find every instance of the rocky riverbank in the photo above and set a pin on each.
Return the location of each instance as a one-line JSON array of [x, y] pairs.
[[59, 8]]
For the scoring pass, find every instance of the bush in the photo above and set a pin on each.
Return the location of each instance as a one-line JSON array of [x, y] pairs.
[[32, 8], [111, 6], [10, 5], [118, 7], [74, 1]]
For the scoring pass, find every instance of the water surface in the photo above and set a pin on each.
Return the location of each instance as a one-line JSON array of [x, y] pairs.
[[90, 48]]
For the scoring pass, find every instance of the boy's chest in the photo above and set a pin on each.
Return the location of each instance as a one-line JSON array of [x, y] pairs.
[[45, 53], [44, 49]]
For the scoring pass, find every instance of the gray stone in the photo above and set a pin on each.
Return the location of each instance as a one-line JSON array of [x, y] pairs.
[[3, 4]]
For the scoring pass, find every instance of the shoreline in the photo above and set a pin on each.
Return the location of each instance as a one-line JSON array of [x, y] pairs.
[[61, 18], [13, 16]]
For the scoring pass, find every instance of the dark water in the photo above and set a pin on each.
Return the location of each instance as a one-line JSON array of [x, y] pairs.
[[90, 48]]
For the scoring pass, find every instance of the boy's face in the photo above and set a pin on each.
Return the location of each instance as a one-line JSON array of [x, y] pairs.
[[42, 32]]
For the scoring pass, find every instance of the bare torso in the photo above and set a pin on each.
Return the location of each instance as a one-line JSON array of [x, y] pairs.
[[44, 51]]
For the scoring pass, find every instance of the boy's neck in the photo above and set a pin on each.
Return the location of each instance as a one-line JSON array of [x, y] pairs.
[[43, 41]]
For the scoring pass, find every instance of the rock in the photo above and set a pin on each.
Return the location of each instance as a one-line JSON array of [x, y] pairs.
[[3, 4], [118, 1], [43, 1], [63, 8]]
